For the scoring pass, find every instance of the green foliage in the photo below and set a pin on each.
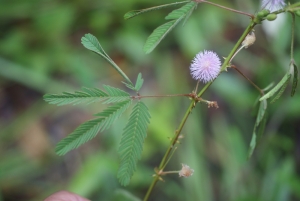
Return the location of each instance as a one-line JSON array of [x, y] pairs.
[[295, 79], [131, 144], [89, 129], [88, 95], [138, 84], [134, 13], [260, 125], [281, 85], [160, 32], [90, 42], [282, 89], [178, 13]]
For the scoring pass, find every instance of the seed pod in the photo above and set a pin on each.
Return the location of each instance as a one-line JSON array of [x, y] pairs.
[[263, 13], [271, 17]]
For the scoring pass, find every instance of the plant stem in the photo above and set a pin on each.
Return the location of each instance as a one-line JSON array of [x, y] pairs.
[[165, 159], [293, 36], [240, 72], [162, 96], [226, 8]]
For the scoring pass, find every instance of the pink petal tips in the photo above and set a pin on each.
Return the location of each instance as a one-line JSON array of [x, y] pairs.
[[205, 66], [185, 171], [273, 5]]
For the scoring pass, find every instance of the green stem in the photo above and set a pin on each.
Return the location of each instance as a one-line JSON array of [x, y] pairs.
[[293, 36], [190, 108]]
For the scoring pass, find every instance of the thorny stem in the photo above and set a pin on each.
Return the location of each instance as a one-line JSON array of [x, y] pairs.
[[226, 8], [225, 64], [240, 72], [189, 110]]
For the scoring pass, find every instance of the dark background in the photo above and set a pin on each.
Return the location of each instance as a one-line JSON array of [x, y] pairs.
[[40, 52]]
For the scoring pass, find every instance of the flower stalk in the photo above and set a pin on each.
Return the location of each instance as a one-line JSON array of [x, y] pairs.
[[197, 97]]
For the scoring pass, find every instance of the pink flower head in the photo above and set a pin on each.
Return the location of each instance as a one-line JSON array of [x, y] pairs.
[[205, 66], [273, 5]]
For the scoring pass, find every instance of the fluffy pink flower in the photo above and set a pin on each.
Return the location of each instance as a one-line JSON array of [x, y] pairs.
[[273, 5], [205, 66]]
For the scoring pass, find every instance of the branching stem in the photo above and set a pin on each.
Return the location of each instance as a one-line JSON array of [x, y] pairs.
[[197, 97], [161, 96], [226, 8], [240, 72], [189, 110]]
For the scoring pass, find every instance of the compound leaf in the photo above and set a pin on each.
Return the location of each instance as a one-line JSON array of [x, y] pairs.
[[131, 144], [89, 129], [134, 13], [87, 96]]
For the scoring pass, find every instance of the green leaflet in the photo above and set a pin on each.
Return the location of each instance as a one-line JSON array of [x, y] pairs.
[[131, 144], [295, 79], [283, 87], [90, 42], [160, 32], [88, 95], [134, 13], [260, 123], [89, 129], [138, 84], [178, 13], [282, 82]]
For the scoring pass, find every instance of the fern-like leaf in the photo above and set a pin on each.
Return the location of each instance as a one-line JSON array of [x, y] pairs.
[[87, 96], [91, 42], [131, 144], [89, 129], [160, 32], [134, 13]]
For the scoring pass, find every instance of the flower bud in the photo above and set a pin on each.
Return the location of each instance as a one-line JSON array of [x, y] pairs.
[[263, 13], [271, 17]]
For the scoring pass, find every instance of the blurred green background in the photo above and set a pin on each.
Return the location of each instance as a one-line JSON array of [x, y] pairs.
[[40, 52]]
